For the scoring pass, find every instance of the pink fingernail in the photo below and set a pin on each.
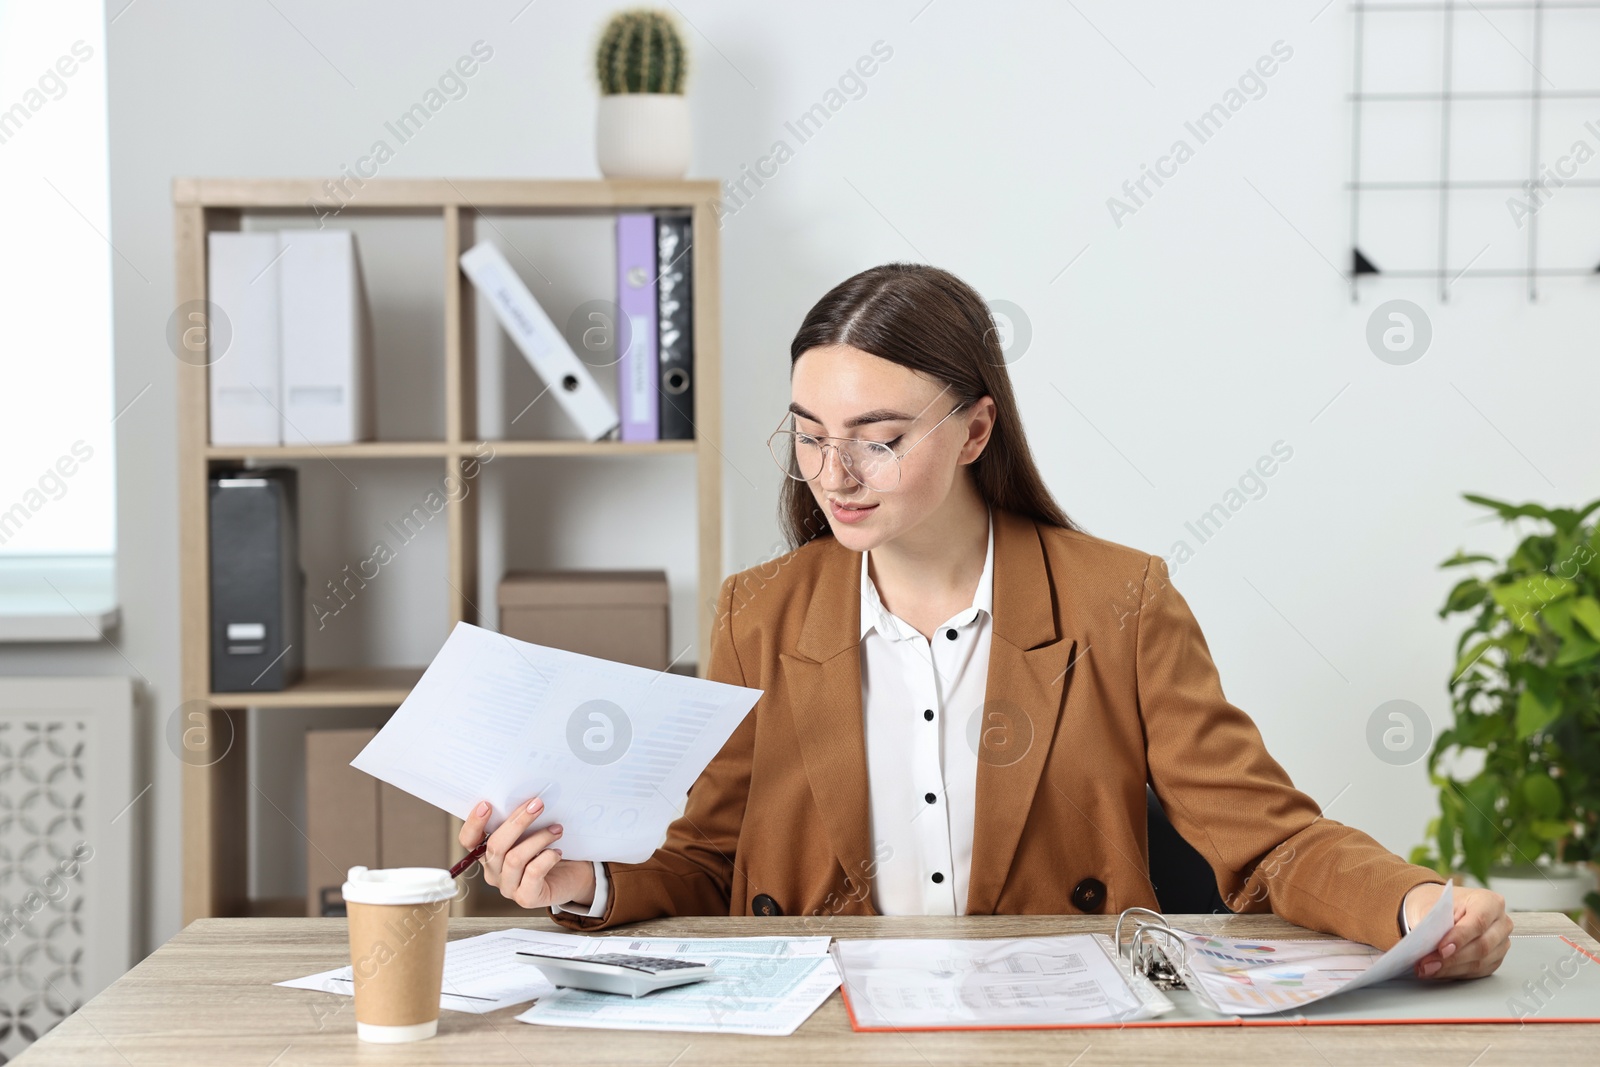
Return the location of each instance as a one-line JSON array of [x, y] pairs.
[[534, 805], [482, 808], [1430, 968], [556, 829], [1446, 952]]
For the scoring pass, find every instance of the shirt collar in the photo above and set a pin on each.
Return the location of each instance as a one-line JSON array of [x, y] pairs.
[[874, 614]]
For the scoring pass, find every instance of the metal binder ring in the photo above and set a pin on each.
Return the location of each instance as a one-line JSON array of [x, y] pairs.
[[1144, 945], [1160, 920]]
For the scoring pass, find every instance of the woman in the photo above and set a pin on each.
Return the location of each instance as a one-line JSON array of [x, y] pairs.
[[965, 694]]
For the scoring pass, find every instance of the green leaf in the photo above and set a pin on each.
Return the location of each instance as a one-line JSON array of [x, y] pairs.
[[1449, 826], [1576, 649], [1534, 713], [1588, 509], [1477, 731], [1509, 511], [1558, 617], [1542, 794], [1551, 830], [1478, 827], [1523, 601], [1586, 612], [1466, 595], [1461, 559], [1471, 656]]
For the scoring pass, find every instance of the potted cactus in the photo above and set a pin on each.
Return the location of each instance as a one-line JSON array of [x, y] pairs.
[[643, 125]]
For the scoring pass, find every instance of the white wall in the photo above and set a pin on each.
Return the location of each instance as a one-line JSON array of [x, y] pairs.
[[1210, 325]]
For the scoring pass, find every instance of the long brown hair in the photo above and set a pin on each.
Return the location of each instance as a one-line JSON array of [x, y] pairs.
[[929, 320]]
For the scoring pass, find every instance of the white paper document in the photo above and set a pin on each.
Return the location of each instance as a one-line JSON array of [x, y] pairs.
[[611, 748], [765, 986], [991, 983], [481, 974], [1240, 976]]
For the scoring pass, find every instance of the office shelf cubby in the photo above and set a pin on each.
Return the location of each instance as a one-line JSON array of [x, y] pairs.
[[216, 785]]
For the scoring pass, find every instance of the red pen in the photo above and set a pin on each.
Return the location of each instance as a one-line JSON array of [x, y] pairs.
[[467, 860]]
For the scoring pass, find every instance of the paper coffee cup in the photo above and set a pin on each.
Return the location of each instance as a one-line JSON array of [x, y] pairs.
[[398, 921]]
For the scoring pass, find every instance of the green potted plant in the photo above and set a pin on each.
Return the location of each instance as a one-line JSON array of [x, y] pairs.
[[1519, 807], [643, 122]]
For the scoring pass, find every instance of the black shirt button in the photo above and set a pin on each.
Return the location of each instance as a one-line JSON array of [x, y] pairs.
[[1089, 894], [937, 877], [928, 715], [951, 634], [765, 905], [929, 797]]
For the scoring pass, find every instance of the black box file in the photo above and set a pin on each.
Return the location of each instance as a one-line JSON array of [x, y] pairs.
[[257, 588]]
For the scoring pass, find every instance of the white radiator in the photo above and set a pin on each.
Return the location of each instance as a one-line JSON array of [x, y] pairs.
[[67, 834]]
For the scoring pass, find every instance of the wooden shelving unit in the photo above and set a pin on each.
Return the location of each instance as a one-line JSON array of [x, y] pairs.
[[216, 778]]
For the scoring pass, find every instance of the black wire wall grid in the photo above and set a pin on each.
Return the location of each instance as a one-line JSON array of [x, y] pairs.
[[1535, 183]]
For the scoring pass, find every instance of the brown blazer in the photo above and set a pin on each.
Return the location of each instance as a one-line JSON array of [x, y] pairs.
[[1099, 680]]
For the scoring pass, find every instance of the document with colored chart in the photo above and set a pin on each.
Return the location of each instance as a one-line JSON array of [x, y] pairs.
[[1240, 976], [611, 748]]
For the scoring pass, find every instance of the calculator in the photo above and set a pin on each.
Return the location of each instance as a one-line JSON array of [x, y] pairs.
[[618, 972]]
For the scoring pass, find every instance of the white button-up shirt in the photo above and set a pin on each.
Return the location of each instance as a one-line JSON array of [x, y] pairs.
[[922, 770], [922, 707]]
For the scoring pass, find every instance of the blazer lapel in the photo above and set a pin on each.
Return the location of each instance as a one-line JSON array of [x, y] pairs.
[[1029, 663], [824, 675]]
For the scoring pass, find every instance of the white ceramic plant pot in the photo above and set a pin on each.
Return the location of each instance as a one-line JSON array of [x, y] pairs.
[[643, 135], [1557, 887]]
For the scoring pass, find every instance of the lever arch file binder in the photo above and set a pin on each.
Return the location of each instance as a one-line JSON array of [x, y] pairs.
[[636, 298], [675, 297], [1184, 966], [552, 358], [257, 586]]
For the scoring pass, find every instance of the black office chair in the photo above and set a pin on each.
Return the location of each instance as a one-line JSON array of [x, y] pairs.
[[1183, 880]]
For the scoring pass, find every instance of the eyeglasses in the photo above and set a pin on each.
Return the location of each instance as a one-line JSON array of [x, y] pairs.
[[872, 464]]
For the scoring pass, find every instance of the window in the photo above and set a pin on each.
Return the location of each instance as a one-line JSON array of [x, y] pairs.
[[57, 480]]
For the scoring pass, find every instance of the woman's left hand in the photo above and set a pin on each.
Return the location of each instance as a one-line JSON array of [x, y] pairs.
[[1475, 944]]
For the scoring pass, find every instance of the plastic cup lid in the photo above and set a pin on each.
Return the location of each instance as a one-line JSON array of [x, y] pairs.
[[399, 885]]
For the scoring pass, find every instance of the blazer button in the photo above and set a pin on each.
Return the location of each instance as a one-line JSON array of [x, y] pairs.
[[765, 905], [1089, 894]]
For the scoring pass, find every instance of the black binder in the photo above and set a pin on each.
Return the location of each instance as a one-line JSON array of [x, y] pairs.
[[257, 588], [675, 324]]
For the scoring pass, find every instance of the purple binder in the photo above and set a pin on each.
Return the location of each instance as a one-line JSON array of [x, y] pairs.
[[637, 396]]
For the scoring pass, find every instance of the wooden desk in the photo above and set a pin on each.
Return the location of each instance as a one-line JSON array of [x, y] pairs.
[[206, 997]]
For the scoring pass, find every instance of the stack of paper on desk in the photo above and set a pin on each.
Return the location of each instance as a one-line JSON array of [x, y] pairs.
[[611, 748], [764, 985], [481, 974]]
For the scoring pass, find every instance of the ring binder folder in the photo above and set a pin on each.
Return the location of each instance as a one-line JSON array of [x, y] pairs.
[[1210, 976]]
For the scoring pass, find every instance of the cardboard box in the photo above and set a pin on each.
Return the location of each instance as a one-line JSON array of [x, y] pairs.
[[615, 615], [352, 818]]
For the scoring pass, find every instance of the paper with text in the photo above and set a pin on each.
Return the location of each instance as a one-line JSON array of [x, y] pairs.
[[612, 749], [991, 983]]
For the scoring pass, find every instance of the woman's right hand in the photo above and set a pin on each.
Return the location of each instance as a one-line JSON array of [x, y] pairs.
[[529, 872]]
